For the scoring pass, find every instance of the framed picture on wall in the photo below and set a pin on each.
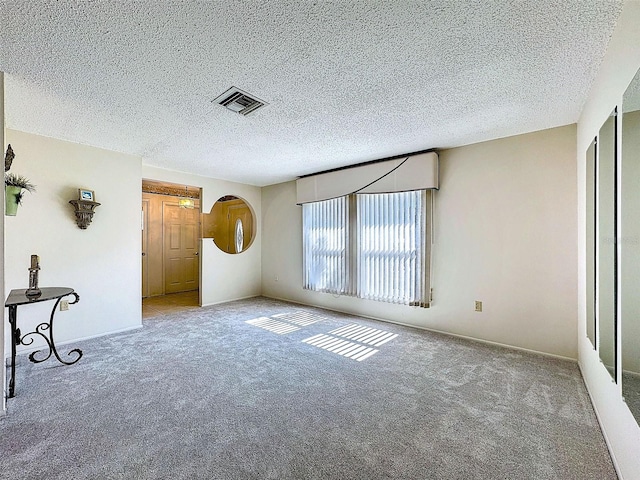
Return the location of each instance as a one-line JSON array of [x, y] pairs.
[[86, 195]]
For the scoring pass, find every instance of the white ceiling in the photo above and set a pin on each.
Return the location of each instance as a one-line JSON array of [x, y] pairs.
[[346, 81]]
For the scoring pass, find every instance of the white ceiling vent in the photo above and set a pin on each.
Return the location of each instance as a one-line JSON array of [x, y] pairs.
[[240, 102]]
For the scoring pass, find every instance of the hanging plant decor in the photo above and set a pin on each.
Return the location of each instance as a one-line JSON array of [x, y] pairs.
[[13, 191]]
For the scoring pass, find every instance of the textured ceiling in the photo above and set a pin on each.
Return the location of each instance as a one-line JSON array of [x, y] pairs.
[[346, 81], [631, 98]]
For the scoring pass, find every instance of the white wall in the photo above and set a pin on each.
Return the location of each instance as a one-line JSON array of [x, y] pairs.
[[505, 231], [617, 70], [225, 277], [103, 262]]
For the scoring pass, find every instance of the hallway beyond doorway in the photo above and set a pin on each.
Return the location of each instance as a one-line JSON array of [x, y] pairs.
[[171, 303], [170, 238]]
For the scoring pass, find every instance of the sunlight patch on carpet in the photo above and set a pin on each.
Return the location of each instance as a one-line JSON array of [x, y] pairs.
[[299, 318], [366, 335], [274, 326], [342, 347]]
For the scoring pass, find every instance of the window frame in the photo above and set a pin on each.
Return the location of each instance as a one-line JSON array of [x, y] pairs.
[[352, 283]]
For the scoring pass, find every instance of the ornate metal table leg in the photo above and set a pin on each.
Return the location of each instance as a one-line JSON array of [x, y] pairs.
[[15, 339], [43, 327]]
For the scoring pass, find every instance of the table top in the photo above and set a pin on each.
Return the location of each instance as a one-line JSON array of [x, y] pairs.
[[18, 297]]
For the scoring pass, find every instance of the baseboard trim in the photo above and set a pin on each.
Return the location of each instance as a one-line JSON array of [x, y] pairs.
[[229, 300], [75, 340], [457, 335]]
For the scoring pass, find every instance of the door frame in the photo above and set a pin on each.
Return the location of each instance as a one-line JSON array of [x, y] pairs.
[[174, 201], [144, 224]]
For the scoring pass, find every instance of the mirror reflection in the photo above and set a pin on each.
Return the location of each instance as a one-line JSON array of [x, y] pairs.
[[230, 223], [591, 242], [606, 228], [630, 247]]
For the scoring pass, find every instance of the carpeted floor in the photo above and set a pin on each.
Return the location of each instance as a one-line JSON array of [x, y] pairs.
[[298, 393], [631, 393]]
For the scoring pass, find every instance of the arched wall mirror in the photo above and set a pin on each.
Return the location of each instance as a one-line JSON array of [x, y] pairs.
[[630, 247], [231, 224]]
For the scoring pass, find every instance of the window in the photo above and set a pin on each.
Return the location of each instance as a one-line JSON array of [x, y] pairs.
[[373, 246], [325, 245]]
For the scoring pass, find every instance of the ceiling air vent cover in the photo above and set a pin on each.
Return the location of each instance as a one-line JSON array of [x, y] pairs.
[[238, 101]]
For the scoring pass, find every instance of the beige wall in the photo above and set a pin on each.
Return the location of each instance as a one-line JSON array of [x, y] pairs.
[[224, 276], [102, 263], [504, 233], [616, 71]]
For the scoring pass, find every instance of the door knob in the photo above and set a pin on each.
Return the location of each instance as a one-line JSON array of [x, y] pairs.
[[143, 254], [196, 253]]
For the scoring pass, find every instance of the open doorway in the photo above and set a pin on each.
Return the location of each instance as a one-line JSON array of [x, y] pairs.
[[170, 248]]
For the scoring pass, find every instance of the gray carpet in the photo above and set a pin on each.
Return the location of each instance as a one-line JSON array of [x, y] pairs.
[[205, 395], [631, 393]]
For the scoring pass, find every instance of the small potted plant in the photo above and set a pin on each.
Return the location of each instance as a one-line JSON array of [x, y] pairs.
[[13, 190]]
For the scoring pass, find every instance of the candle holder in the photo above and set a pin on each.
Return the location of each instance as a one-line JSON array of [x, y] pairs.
[[33, 291]]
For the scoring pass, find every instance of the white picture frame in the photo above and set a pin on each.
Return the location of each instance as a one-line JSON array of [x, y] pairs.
[[86, 195]]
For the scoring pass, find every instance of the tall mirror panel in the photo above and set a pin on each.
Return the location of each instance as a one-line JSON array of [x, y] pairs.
[[630, 247], [606, 227], [591, 242]]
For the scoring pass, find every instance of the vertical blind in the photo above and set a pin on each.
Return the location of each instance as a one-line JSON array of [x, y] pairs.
[[325, 245], [391, 247], [374, 246]]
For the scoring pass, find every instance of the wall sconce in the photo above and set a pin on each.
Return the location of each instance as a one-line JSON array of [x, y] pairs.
[[84, 207]]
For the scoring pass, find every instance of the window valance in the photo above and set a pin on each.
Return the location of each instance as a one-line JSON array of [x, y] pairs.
[[415, 172]]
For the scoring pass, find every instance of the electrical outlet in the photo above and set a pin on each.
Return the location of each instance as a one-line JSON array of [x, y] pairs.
[[64, 305], [276, 278], [478, 306]]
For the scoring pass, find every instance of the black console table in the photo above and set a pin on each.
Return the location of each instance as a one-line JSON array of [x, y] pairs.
[[45, 329]]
